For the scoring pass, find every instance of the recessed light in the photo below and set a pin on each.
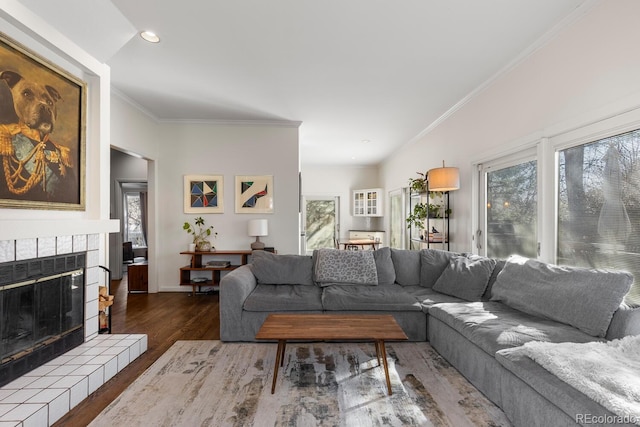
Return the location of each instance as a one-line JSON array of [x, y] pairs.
[[365, 141], [150, 36]]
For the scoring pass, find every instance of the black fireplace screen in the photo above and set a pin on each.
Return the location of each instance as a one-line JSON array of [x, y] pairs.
[[41, 316], [36, 312]]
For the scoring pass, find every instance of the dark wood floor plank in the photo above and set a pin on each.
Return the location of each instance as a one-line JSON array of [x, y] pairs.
[[165, 318]]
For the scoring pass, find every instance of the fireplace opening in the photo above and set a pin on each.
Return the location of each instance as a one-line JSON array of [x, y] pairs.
[[41, 312]]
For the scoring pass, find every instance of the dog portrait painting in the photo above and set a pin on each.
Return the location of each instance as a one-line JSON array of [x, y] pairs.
[[42, 137]]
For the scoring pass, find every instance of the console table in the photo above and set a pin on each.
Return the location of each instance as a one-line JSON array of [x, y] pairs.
[[214, 272]]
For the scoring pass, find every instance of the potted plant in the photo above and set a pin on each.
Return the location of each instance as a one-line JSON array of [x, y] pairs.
[[436, 208], [200, 233], [418, 185], [422, 211], [417, 217]]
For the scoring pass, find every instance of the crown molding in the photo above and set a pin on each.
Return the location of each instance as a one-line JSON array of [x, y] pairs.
[[229, 122]]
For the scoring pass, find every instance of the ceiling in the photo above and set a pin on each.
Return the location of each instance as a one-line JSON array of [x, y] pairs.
[[363, 77]]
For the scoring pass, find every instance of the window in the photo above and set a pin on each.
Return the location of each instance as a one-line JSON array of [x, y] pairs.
[[571, 199], [509, 210], [134, 218], [599, 205]]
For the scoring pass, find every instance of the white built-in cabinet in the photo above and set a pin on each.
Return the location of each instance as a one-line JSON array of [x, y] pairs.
[[367, 202]]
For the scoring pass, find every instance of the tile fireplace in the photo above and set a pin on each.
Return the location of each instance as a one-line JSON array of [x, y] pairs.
[[41, 311], [43, 394]]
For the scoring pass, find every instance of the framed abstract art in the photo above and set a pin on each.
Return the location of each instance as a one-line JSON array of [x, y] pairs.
[[254, 194], [203, 194]]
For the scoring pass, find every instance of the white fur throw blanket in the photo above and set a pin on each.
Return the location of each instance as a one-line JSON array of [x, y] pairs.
[[607, 372]]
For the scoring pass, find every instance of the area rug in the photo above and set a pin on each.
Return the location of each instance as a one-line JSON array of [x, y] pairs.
[[210, 383]]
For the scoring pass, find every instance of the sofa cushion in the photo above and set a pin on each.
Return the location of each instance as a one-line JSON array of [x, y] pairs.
[[384, 266], [333, 266], [273, 269], [407, 266], [465, 277], [368, 298], [284, 298], [428, 297], [493, 326], [581, 297], [550, 387], [626, 321], [432, 263], [494, 275]]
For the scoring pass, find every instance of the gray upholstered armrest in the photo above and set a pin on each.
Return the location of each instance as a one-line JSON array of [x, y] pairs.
[[626, 321], [235, 287]]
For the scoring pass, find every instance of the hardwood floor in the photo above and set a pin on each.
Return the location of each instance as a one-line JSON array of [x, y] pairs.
[[165, 318]]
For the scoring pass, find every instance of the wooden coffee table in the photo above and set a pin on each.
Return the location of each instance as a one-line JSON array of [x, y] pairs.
[[331, 327]]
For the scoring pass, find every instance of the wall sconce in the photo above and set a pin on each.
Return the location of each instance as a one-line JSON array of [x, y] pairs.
[[258, 228], [444, 178]]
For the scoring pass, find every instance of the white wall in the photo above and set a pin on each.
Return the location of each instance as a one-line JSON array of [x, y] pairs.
[[175, 149], [228, 151], [340, 181], [33, 32], [588, 72]]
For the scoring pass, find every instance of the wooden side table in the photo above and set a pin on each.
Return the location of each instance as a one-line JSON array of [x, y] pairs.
[[138, 277]]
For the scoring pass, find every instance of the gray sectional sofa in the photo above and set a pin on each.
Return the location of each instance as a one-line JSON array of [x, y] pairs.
[[475, 311]]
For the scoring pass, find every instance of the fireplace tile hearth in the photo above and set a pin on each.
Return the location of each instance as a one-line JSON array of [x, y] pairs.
[[44, 395]]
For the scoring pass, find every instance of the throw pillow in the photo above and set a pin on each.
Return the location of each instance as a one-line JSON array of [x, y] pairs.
[[273, 269], [432, 264], [465, 277], [333, 266], [407, 266], [384, 266], [584, 298]]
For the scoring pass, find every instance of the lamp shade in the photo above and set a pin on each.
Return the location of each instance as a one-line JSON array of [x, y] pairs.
[[444, 179], [258, 227]]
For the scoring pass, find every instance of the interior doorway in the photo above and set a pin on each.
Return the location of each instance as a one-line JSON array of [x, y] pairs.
[[129, 205]]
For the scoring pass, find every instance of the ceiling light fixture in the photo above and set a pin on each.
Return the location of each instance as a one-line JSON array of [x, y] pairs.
[[150, 36]]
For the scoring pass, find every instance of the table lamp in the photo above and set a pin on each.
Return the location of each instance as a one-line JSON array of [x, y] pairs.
[[257, 228]]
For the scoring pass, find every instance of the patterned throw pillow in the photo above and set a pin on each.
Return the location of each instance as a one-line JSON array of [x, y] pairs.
[[334, 266]]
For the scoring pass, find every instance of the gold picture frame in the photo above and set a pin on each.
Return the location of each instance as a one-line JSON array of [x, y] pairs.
[[42, 132], [254, 194], [203, 194]]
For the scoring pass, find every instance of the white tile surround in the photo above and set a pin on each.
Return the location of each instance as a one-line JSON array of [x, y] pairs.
[[44, 395]]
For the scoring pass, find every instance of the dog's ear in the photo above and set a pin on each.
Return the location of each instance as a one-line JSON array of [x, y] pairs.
[[11, 78], [53, 93]]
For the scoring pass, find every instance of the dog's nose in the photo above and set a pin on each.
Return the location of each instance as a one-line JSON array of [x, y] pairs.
[[45, 109]]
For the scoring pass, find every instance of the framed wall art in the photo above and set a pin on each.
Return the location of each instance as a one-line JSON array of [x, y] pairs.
[[42, 132], [254, 194], [203, 194]]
